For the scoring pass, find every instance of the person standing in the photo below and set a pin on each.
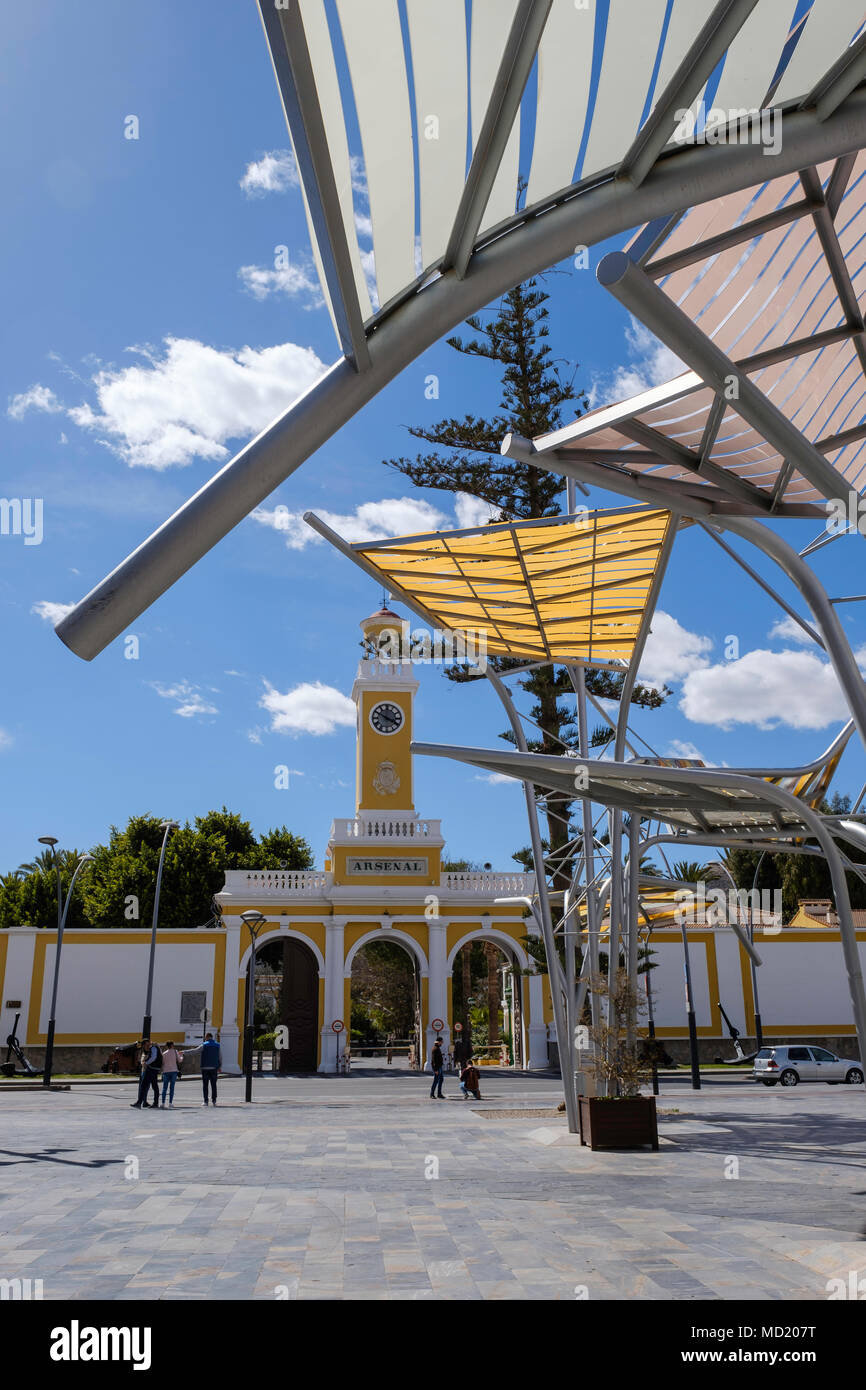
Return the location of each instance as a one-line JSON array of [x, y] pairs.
[[389, 1049], [151, 1065], [211, 1061], [437, 1066], [171, 1060]]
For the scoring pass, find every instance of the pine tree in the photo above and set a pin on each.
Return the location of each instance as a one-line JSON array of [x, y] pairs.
[[466, 458]]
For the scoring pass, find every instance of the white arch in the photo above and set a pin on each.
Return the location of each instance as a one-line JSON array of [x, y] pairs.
[[281, 933], [387, 934], [491, 934]]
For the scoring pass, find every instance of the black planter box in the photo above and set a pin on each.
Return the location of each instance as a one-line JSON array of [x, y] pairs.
[[625, 1123]]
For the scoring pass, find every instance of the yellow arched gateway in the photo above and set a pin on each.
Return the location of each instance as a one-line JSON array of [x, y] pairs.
[[382, 880]]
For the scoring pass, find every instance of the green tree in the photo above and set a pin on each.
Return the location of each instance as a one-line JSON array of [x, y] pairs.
[[798, 875], [117, 889], [28, 895]]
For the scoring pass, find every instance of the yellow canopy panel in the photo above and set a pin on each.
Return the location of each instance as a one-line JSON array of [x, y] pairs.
[[566, 589]]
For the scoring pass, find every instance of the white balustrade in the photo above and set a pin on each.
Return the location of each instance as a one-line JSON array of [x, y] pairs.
[[277, 881], [388, 828], [489, 883]]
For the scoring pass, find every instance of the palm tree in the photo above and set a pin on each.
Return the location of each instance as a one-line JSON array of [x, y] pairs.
[[44, 863], [690, 871]]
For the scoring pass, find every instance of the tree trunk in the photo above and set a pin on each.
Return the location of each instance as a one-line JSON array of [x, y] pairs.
[[492, 955]]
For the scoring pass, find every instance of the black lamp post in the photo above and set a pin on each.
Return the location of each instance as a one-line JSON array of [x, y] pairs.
[[759, 1031], [254, 920], [62, 910], [167, 827]]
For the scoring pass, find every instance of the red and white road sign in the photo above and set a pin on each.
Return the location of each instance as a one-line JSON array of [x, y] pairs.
[[437, 1024], [337, 1026]]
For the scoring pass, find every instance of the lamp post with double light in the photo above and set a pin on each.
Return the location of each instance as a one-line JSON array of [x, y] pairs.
[[254, 920], [62, 911]]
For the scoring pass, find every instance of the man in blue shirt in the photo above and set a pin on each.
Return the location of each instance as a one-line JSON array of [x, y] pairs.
[[211, 1061]]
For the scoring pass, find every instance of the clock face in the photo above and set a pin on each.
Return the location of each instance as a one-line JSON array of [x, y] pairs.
[[386, 718]]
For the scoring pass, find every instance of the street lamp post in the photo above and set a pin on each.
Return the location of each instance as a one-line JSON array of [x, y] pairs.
[[167, 827], [651, 1021], [254, 920], [62, 910], [759, 1032]]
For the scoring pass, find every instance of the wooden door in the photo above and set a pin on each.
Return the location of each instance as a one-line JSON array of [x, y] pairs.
[[299, 1007]]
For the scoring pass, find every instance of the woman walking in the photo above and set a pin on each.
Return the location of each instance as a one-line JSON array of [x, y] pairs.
[[171, 1060]]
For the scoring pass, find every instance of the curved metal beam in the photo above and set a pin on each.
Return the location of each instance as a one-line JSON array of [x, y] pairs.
[[544, 236]]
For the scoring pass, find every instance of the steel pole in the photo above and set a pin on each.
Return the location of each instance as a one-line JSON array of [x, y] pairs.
[[690, 1013], [633, 909], [147, 1021], [651, 1022], [578, 680], [249, 1027], [606, 208], [49, 1037], [555, 978], [759, 1032], [61, 925]]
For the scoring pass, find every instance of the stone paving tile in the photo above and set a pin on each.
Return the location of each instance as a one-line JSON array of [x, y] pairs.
[[244, 1201]]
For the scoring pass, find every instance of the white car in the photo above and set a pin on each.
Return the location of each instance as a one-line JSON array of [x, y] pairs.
[[792, 1064]]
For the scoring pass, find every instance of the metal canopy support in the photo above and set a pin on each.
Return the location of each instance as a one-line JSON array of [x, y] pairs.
[[762, 583], [678, 454], [707, 50], [564, 1037], [827, 621], [634, 289], [744, 231], [590, 466], [535, 767], [287, 41], [502, 108], [524, 248], [848, 71], [616, 818]]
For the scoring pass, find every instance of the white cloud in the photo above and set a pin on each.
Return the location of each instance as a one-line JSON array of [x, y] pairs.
[[188, 402], [53, 613], [275, 172], [472, 511], [651, 363], [40, 398], [494, 778], [309, 708], [766, 689], [294, 281], [371, 521], [6, 740], [671, 651], [188, 698], [791, 632], [679, 749]]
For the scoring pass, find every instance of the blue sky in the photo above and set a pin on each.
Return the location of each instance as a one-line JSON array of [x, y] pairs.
[[135, 280]]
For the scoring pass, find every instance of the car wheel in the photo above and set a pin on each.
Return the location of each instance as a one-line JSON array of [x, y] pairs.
[[854, 1077], [789, 1078], [769, 1083]]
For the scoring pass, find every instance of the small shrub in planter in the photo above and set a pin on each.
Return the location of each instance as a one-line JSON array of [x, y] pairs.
[[625, 1119]]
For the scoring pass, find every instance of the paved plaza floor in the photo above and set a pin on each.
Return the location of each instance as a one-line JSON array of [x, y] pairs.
[[361, 1187]]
